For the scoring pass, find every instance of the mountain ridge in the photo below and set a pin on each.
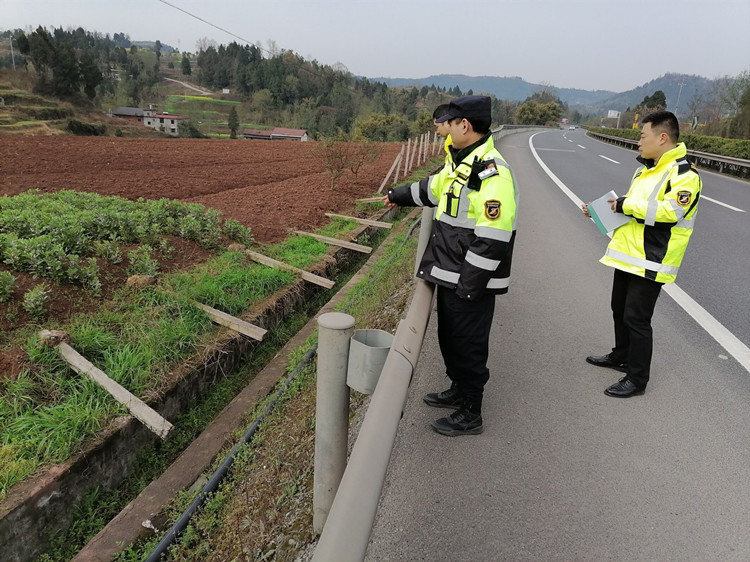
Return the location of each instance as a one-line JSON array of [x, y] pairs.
[[680, 89]]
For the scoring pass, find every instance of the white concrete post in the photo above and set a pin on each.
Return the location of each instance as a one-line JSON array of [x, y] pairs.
[[331, 412], [407, 169]]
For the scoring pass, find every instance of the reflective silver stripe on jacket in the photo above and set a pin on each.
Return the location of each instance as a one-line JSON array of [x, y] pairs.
[[503, 283], [679, 210], [653, 204], [643, 263], [459, 221], [500, 162], [414, 190], [492, 233], [443, 275], [451, 277], [480, 262]]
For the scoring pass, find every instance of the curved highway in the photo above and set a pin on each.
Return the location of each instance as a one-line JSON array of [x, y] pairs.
[[563, 472], [716, 268]]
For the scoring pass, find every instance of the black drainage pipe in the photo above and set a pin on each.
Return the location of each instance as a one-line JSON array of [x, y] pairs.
[[213, 484]]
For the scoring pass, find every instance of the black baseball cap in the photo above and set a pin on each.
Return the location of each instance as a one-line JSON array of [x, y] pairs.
[[474, 108]]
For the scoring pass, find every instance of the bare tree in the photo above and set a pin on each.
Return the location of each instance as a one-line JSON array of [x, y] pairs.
[[733, 89], [204, 43], [360, 153], [335, 156]]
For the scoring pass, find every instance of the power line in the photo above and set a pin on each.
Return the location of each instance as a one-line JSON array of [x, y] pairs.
[[209, 23], [233, 35]]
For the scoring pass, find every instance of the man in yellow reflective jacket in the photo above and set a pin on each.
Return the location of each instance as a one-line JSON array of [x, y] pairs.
[[647, 251], [468, 256]]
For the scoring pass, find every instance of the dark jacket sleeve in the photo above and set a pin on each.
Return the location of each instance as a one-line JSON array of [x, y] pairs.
[[415, 194]]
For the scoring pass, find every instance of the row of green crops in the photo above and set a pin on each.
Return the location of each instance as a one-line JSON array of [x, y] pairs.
[[137, 337], [59, 236]]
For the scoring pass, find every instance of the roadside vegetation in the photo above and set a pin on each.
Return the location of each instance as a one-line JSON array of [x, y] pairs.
[[376, 301], [734, 148], [263, 509], [138, 335]]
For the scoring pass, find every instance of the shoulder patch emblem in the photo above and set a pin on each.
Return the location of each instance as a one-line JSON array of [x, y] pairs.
[[492, 209], [683, 198]]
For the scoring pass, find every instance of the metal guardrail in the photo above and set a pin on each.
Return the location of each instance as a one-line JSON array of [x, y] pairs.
[[349, 522], [723, 164]]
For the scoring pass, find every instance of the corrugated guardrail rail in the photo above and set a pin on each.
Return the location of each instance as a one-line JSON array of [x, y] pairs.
[[723, 164]]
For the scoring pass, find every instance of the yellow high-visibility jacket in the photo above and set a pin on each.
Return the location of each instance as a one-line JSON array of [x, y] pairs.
[[474, 228], [663, 201]]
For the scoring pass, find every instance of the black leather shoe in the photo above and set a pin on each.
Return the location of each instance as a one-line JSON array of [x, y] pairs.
[[451, 398], [460, 422], [624, 388], [605, 361]]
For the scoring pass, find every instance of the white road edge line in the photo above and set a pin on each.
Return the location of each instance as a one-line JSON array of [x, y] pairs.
[[715, 329], [602, 156], [722, 204]]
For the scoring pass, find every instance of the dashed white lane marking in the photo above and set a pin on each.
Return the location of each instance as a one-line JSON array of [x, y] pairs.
[[715, 329], [602, 156], [722, 204]]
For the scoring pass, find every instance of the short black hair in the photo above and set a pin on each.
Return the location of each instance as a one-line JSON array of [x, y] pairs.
[[667, 121], [440, 110]]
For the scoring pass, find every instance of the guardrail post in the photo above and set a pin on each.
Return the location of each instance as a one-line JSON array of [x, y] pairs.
[[425, 231], [331, 412]]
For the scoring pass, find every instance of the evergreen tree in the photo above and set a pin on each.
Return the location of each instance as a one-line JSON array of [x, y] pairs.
[[186, 65], [234, 122], [65, 72], [91, 76]]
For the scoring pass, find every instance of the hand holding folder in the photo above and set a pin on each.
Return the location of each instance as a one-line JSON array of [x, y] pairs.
[[604, 217]]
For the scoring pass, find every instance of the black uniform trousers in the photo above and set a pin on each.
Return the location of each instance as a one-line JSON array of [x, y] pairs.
[[464, 334], [633, 302]]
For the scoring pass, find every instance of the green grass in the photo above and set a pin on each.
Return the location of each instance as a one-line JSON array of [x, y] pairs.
[[391, 273], [301, 251], [136, 337], [47, 412], [264, 506], [99, 506]]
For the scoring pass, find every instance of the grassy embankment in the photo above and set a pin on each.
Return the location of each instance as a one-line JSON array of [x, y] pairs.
[[274, 471]]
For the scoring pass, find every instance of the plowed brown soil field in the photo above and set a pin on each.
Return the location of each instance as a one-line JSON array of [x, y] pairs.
[[269, 186], [272, 187]]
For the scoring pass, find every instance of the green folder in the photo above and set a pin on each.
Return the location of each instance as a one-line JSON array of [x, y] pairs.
[[604, 217]]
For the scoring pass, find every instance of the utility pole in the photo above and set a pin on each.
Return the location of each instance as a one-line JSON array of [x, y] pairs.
[[681, 84], [12, 56]]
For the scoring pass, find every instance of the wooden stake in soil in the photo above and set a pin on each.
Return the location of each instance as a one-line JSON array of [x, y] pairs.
[[233, 323], [388, 175], [368, 222], [369, 199], [337, 242], [306, 275], [135, 405]]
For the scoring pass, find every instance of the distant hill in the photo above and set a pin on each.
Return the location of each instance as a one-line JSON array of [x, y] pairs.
[[587, 101], [692, 86], [505, 88]]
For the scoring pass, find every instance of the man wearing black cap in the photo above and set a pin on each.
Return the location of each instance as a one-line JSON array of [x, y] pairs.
[[468, 256]]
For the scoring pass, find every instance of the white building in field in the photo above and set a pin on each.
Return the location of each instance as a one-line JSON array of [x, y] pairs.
[[164, 122]]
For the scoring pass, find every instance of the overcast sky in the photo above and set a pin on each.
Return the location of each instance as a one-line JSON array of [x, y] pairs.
[[589, 44]]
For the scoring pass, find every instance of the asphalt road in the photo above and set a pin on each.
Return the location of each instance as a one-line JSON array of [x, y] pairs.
[[563, 472], [716, 268]]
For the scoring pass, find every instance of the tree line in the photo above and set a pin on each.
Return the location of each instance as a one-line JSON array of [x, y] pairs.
[[278, 87]]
